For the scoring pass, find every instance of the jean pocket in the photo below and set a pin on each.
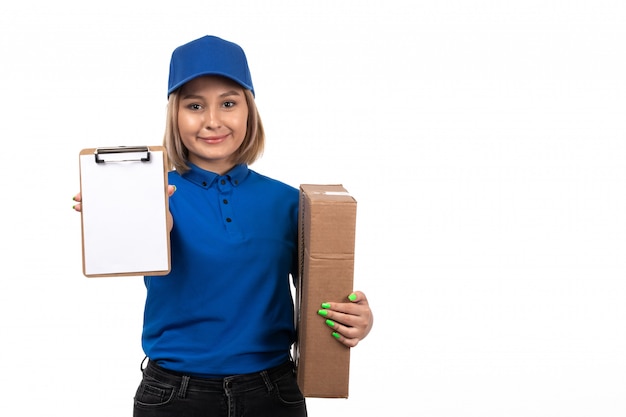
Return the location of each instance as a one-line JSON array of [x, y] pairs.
[[288, 391], [152, 393]]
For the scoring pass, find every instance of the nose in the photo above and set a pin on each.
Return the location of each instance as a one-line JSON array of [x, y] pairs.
[[211, 118]]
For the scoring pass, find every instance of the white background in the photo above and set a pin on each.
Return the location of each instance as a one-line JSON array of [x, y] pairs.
[[483, 140]]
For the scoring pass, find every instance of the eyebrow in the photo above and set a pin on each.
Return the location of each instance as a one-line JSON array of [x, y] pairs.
[[226, 94], [230, 93]]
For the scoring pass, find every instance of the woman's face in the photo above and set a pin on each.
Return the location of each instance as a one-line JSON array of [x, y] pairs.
[[212, 121]]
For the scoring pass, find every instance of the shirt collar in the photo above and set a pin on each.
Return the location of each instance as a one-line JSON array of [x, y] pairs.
[[206, 179]]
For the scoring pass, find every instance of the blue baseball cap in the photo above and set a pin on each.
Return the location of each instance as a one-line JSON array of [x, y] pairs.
[[208, 55]]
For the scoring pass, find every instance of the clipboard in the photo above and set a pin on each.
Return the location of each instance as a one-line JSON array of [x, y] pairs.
[[124, 211]]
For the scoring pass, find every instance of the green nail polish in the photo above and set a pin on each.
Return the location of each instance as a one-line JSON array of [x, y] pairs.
[[330, 323], [322, 312], [336, 335], [325, 305], [352, 297]]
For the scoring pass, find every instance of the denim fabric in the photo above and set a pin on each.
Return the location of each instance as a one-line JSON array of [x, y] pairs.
[[271, 393]]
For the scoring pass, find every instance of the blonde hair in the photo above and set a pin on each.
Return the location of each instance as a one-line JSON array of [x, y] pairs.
[[250, 150]]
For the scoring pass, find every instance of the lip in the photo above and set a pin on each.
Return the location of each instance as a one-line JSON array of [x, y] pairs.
[[213, 139]]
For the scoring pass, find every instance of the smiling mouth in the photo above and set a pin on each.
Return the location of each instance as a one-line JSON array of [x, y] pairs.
[[213, 139]]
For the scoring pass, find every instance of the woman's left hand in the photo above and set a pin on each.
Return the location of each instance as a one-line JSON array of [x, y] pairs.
[[350, 321]]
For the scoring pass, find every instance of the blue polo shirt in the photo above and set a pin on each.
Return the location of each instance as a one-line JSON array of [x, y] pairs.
[[226, 307]]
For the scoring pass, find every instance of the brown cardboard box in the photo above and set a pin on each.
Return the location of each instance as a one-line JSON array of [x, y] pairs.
[[326, 245]]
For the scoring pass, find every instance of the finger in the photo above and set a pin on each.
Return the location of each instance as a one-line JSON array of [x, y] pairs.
[[357, 297], [349, 308], [340, 334], [348, 314], [77, 198], [344, 340], [340, 329], [343, 319], [352, 320], [170, 190]]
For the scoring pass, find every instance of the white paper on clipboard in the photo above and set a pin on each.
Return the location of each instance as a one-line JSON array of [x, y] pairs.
[[124, 211]]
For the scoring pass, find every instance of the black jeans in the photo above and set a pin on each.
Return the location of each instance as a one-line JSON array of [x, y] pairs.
[[271, 393]]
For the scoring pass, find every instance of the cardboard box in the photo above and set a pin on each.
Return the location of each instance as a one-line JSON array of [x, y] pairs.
[[326, 244]]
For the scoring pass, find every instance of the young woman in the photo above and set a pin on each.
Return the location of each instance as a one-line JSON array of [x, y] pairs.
[[218, 329]]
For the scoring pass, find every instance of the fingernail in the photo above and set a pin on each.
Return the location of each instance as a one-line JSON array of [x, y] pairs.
[[174, 187], [352, 297], [330, 323], [74, 207], [336, 335], [325, 305], [322, 312], [74, 198]]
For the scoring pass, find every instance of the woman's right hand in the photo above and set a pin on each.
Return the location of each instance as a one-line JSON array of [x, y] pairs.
[[78, 199]]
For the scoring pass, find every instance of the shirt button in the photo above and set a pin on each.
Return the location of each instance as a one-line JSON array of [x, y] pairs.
[[225, 201], [222, 182], [228, 220]]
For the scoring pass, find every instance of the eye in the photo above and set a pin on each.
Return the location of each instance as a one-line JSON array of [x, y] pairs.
[[194, 106], [229, 104]]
